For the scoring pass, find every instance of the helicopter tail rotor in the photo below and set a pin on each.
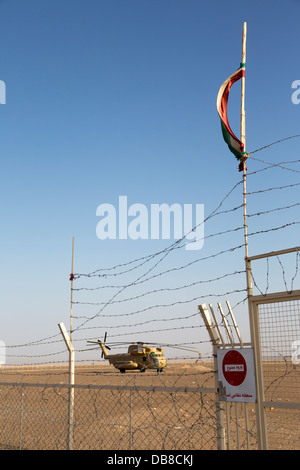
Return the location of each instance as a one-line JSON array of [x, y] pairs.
[[104, 340]]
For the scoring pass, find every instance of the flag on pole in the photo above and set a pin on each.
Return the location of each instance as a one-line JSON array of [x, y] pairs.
[[234, 144]]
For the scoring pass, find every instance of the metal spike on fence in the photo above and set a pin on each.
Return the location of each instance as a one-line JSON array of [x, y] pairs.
[[234, 323], [226, 326], [213, 334], [217, 324]]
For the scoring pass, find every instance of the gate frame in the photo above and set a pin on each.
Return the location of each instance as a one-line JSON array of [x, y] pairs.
[[253, 302], [218, 342]]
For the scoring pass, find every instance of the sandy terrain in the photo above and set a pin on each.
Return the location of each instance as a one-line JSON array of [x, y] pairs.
[[118, 418]]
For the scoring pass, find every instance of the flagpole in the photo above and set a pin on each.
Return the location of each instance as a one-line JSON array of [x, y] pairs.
[[243, 140], [71, 303], [243, 129], [261, 426]]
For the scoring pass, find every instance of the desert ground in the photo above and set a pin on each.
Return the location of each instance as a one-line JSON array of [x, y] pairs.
[[139, 410]]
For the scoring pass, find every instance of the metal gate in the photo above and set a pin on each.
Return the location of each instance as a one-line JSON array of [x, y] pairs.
[[273, 420], [236, 419], [276, 324]]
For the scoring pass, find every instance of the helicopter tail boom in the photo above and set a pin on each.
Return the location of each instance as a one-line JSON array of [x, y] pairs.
[[105, 353]]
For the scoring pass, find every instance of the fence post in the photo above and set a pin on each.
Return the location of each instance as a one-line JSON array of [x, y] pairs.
[[71, 384], [215, 339], [260, 412], [220, 409], [130, 420], [21, 419]]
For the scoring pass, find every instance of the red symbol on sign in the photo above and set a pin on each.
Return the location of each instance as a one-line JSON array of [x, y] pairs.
[[234, 368]]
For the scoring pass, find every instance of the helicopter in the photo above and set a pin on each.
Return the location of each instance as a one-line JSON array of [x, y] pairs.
[[138, 357]]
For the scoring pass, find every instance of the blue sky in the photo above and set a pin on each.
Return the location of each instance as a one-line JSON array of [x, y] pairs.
[[111, 98]]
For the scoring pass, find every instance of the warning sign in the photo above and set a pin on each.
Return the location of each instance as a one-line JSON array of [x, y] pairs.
[[234, 367], [236, 372]]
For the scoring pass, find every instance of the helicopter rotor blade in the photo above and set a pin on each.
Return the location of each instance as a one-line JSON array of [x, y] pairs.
[[89, 349], [104, 339], [183, 346]]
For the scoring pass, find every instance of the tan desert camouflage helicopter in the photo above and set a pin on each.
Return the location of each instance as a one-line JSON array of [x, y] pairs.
[[138, 357]]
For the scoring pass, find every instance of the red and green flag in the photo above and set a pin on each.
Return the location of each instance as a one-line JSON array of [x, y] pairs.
[[234, 144]]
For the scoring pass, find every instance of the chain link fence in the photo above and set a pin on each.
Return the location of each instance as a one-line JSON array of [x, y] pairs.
[[35, 416], [279, 326]]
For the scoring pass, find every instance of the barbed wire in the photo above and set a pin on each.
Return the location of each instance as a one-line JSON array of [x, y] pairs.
[[172, 304], [280, 165], [274, 229], [272, 189], [95, 274], [155, 291], [130, 325], [275, 143], [276, 209], [158, 257], [171, 247]]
